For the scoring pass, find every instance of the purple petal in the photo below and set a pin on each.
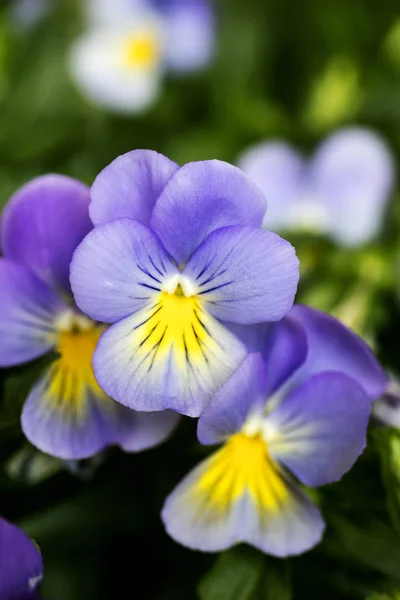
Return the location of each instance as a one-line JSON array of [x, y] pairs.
[[333, 347], [42, 225], [21, 565], [279, 171], [130, 186], [118, 269], [283, 346], [149, 362], [353, 172], [245, 275], [206, 511], [319, 430], [190, 34], [199, 198], [28, 313], [242, 394], [69, 417]]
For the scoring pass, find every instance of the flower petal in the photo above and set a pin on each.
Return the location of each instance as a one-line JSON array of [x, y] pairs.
[[215, 507], [42, 225], [242, 394], [319, 430], [245, 275], [279, 171], [118, 269], [67, 414], [190, 34], [28, 314], [333, 347], [353, 172], [199, 198], [172, 354], [21, 565], [283, 346], [130, 186]]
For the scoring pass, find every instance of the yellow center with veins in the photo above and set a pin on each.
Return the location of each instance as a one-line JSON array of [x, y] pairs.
[[141, 51], [71, 376], [179, 323], [242, 465]]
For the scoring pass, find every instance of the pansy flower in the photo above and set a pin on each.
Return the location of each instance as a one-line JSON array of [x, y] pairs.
[[21, 565], [120, 60], [342, 191], [66, 413], [294, 412], [175, 253]]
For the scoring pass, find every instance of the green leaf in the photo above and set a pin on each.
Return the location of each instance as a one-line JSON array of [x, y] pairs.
[[235, 575], [388, 444]]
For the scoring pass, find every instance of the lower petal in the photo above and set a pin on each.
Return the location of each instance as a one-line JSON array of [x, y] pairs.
[[214, 508], [172, 354]]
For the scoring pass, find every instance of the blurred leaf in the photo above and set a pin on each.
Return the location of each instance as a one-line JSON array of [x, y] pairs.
[[235, 575], [388, 444], [31, 466]]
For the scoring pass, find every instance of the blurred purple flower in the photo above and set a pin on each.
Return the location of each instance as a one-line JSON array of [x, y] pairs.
[[342, 191], [66, 413], [185, 260], [300, 402], [21, 566]]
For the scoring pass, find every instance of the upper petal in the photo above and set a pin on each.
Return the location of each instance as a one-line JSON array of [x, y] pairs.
[[21, 565], [130, 186], [42, 225], [117, 269], [334, 347], [245, 275], [319, 430], [28, 313], [201, 197], [190, 26], [279, 171], [353, 172], [283, 346], [242, 394]]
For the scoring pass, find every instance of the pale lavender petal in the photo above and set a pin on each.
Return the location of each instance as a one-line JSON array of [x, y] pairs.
[[245, 275], [118, 269], [42, 225], [130, 186], [319, 430], [29, 310], [199, 198]]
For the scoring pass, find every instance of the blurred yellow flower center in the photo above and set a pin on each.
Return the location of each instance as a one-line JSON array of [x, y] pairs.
[[243, 465], [71, 376], [141, 51]]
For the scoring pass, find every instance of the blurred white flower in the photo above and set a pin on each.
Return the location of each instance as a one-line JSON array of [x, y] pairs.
[[119, 66], [342, 191], [119, 62], [27, 13]]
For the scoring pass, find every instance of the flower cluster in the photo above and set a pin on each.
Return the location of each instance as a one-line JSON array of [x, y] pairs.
[[342, 191], [161, 293], [129, 45]]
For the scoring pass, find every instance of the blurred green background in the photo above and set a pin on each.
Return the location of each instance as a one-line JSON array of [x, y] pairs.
[[295, 70]]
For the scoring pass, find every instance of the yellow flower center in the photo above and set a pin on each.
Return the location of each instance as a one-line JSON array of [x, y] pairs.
[[71, 376], [243, 465], [141, 51]]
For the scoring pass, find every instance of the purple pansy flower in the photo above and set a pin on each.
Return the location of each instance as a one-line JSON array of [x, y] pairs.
[[298, 404], [66, 414], [21, 566], [342, 191], [174, 254]]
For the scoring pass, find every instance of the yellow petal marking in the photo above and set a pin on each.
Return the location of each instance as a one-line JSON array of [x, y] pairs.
[[141, 51], [71, 376], [243, 465]]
